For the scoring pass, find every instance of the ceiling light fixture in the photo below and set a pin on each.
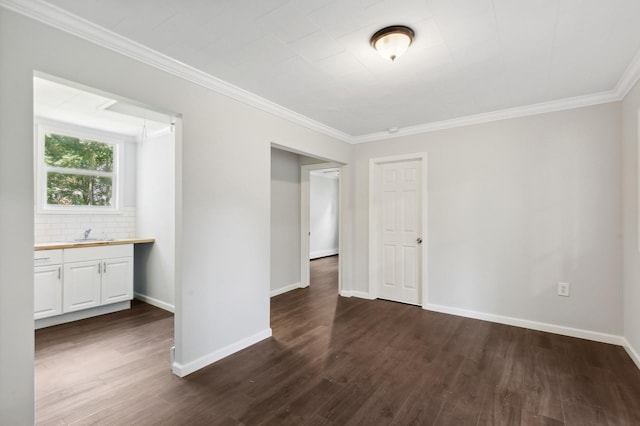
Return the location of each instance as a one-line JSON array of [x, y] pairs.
[[391, 42]]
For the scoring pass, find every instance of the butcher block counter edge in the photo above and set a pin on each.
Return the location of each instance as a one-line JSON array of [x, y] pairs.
[[80, 244]]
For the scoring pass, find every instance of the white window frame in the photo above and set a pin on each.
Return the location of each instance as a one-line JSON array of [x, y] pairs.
[[43, 127]]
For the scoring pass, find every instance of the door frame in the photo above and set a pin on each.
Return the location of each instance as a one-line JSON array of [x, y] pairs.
[[305, 226], [375, 262]]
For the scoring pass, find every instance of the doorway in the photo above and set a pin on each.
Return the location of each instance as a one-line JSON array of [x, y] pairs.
[[398, 229], [290, 217], [141, 147], [324, 216], [145, 141], [320, 228]]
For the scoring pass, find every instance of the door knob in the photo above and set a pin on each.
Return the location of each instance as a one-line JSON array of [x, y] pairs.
[[419, 240]]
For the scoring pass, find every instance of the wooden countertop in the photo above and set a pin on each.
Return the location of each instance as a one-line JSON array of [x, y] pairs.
[[79, 244]]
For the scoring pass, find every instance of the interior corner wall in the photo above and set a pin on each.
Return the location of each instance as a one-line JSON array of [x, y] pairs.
[[630, 135], [154, 266], [223, 248], [514, 207], [285, 220], [323, 215]]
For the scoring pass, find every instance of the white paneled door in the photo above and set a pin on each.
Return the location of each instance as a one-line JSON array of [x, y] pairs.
[[399, 226]]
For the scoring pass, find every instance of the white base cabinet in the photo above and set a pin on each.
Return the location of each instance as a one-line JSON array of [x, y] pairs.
[[82, 285], [47, 300], [83, 278], [117, 280]]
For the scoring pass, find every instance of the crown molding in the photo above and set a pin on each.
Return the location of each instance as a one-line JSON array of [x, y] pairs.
[[629, 78], [541, 108], [61, 19], [626, 82]]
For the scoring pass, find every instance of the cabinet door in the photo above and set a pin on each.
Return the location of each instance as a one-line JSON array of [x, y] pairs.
[[81, 285], [47, 297], [117, 280]]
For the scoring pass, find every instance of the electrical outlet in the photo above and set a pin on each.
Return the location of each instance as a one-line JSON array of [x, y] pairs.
[[563, 289]]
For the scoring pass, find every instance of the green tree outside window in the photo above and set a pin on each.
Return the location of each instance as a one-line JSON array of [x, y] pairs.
[[79, 171]]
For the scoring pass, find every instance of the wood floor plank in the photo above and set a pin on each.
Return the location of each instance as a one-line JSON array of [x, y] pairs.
[[501, 406], [388, 398], [302, 409], [425, 401], [468, 392], [577, 414], [334, 361], [532, 419], [541, 389]]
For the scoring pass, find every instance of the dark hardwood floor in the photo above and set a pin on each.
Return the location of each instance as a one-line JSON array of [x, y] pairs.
[[334, 361]]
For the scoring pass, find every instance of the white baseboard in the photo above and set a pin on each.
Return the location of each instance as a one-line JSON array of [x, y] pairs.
[[534, 325], [358, 294], [286, 288], [155, 302], [80, 315], [632, 352], [183, 370], [323, 253]]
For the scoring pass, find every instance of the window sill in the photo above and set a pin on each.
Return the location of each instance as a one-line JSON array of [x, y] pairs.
[[84, 211]]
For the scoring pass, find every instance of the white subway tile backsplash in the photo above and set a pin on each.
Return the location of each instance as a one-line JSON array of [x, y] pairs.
[[54, 228]]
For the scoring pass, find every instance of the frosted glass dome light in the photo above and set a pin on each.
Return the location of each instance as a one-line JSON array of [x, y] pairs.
[[392, 42]]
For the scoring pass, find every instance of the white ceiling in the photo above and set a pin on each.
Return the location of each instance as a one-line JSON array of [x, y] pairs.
[[313, 56], [66, 104]]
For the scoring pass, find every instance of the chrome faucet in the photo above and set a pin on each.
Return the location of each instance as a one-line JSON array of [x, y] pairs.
[[86, 233]]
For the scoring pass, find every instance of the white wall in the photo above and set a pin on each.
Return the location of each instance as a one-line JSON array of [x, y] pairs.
[[16, 235], [285, 221], [630, 129], [156, 205], [323, 215], [223, 175], [514, 207]]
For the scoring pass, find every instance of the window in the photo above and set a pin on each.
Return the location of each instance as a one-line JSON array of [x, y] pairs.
[[77, 171]]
